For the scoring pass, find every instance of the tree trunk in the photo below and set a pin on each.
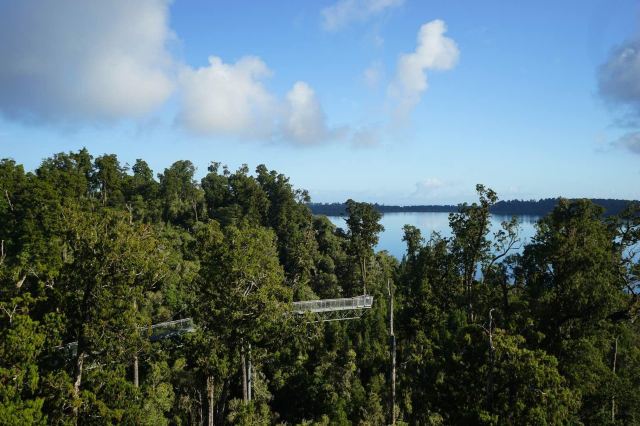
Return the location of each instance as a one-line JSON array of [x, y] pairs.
[[211, 404], [222, 402], [363, 273], [249, 375], [613, 397], [201, 418], [135, 357], [77, 382], [492, 361], [136, 381], [393, 357], [245, 396]]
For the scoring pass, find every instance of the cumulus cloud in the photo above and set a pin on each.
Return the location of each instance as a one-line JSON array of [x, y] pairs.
[[227, 99], [619, 86], [619, 76], [72, 62], [64, 60], [630, 141], [231, 100], [304, 121], [344, 12], [434, 51]]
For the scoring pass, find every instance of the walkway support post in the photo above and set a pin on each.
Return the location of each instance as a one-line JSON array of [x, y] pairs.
[[392, 338]]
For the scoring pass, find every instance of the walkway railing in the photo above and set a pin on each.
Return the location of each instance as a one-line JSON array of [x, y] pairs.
[[159, 331], [171, 328], [330, 305]]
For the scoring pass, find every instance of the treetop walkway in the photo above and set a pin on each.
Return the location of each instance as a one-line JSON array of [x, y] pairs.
[[322, 310], [334, 309]]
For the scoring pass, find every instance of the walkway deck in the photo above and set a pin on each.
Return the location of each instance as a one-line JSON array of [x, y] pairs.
[[331, 305]]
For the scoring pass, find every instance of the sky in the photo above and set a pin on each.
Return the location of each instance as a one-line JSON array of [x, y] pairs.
[[388, 101]]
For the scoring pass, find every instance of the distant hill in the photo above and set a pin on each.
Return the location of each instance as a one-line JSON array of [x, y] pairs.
[[511, 207]]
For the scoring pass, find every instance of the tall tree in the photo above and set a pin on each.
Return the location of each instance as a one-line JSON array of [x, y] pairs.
[[243, 301], [182, 197], [573, 286], [108, 265], [108, 178], [470, 246], [364, 227]]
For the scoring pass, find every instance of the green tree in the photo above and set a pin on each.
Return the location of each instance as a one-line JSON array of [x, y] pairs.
[[182, 198], [242, 301], [364, 227], [470, 246], [574, 286], [108, 178], [21, 343], [108, 266]]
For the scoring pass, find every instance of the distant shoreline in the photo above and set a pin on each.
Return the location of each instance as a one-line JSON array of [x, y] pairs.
[[512, 207]]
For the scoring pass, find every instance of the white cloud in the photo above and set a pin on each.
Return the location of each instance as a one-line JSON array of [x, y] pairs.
[[71, 62], [64, 60], [373, 74], [429, 184], [344, 12], [630, 141], [431, 188], [434, 51], [367, 137], [231, 100], [619, 77], [304, 121], [227, 99], [619, 85]]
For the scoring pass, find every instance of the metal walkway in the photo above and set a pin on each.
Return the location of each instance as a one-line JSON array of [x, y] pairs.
[[322, 310], [334, 309], [167, 329], [162, 330]]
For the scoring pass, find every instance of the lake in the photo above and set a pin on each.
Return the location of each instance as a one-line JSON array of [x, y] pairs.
[[391, 237]]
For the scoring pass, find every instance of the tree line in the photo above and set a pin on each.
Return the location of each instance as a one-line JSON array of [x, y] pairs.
[[94, 252], [539, 207]]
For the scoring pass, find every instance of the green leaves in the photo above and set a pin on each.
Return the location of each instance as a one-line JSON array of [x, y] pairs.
[[94, 253]]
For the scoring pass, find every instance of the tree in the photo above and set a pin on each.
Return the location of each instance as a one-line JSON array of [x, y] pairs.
[[69, 174], [573, 288], [108, 179], [108, 265], [364, 227], [21, 343], [243, 302], [470, 226], [182, 198]]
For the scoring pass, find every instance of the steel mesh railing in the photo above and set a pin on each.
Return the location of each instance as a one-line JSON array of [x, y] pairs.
[[327, 305]]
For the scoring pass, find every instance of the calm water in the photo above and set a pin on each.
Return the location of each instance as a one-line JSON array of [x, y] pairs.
[[391, 238]]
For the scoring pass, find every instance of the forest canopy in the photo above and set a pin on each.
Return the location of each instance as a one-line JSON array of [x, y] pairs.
[[94, 253]]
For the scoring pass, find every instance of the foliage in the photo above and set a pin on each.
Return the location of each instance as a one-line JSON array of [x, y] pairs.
[[488, 330]]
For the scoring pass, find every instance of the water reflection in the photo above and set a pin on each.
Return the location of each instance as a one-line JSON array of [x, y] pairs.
[[391, 238]]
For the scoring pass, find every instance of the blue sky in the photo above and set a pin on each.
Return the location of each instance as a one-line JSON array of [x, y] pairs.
[[409, 102]]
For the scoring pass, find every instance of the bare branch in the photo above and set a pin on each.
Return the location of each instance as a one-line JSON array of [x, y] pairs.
[[6, 194], [21, 281], [10, 314]]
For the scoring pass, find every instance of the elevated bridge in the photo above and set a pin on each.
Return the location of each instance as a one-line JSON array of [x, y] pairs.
[[162, 330], [168, 329], [324, 310]]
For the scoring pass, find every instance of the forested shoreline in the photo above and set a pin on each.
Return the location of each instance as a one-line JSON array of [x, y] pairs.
[[540, 207], [95, 252]]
